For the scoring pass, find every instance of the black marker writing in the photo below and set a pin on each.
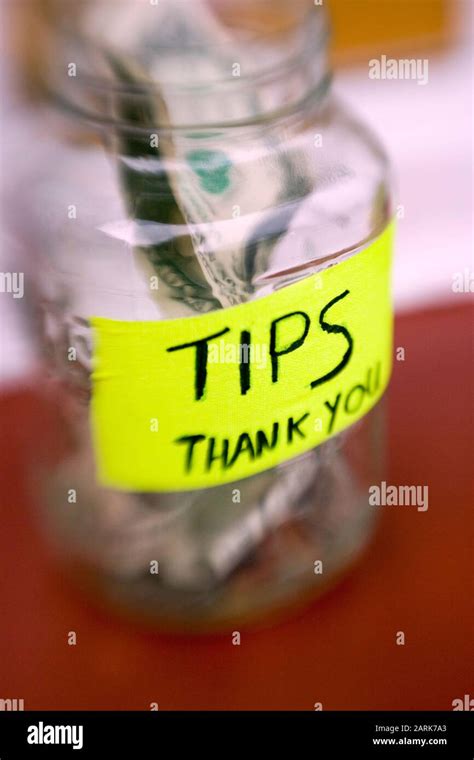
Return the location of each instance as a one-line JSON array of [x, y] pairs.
[[275, 352], [329, 328], [202, 352]]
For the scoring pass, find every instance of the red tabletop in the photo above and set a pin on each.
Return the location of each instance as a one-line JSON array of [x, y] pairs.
[[416, 577]]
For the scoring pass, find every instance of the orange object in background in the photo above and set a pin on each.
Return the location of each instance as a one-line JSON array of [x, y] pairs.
[[359, 27], [364, 28]]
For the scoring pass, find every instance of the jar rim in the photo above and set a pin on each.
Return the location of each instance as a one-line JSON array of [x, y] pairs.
[[315, 37], [265, 92]]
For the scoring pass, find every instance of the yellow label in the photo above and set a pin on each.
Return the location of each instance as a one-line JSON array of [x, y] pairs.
[[196, 402]]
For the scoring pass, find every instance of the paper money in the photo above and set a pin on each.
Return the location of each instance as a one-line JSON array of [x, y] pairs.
[[149, 196], [206, 213], [237, 197]]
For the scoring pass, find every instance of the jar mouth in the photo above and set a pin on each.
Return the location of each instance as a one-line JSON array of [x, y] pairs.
[[312, 38], [207, 87]]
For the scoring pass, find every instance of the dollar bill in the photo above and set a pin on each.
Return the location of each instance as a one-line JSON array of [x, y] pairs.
[[236, 197], [206, 214]]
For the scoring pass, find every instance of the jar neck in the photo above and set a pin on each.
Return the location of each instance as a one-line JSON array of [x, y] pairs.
[[208, 77]]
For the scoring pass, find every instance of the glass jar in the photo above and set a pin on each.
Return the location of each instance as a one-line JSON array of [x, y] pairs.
[[194, 159]]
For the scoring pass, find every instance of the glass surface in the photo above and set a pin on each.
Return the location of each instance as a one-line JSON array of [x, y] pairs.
[[158, 166]]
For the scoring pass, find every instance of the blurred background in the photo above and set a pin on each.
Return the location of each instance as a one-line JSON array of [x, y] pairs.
[[417, 576]]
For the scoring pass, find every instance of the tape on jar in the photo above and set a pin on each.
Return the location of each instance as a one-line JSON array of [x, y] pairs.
[[197, 402]]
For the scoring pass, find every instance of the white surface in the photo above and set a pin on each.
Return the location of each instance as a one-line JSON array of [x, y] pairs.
[[427, 131]]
